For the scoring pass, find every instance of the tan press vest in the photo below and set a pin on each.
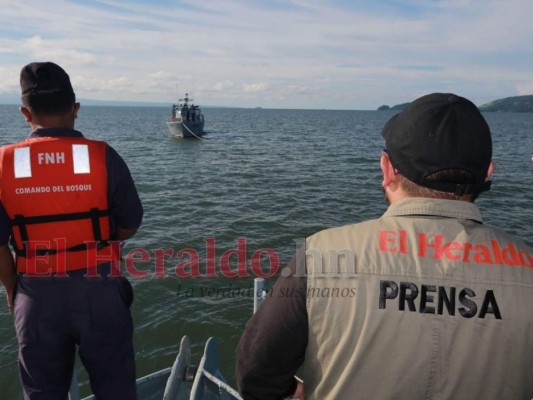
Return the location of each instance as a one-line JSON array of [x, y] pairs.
[[425, 302]]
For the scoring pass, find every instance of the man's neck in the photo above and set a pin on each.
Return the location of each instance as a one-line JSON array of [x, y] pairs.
[[52, 122]]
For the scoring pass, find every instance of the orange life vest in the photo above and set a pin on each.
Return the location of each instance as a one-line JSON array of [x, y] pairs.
[[54, 190]]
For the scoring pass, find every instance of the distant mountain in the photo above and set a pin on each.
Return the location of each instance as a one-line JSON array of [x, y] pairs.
[[121, 103], [397, 107], [15, 99], [510, 104]]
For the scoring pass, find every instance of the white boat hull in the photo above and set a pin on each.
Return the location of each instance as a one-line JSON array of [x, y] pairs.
[[186, 129]]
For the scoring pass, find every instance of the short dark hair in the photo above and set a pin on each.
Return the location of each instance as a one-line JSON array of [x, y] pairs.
[[46, 88], [49, 103], [454, 175]]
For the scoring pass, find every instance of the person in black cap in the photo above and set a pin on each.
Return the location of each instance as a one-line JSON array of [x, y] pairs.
[[66, 203], [425, 302]]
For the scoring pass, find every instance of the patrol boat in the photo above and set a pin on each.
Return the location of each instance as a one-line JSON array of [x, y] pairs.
[[186, 121]]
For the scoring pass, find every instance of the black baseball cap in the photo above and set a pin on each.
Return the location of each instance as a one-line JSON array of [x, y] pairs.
[[44, 78], [436, 132]]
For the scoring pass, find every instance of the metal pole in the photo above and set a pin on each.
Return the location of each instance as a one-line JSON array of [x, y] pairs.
[[259, 292]]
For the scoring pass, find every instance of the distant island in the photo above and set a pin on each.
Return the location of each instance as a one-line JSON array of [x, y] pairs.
[[397, 107], [509, 104]]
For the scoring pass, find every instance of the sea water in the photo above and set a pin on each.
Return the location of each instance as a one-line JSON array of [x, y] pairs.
[[240, 202]]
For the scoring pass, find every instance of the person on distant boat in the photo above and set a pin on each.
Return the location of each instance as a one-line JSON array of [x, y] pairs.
[[66, 203], [425, 302]]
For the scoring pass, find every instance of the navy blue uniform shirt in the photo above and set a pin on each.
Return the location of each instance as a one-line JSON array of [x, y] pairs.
[[123, 199]]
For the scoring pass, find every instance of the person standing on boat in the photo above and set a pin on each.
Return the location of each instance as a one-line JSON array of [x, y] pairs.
[[425, 302], [66, 203]]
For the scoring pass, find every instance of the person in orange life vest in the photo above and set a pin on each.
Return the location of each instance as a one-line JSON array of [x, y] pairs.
[[66, 203]]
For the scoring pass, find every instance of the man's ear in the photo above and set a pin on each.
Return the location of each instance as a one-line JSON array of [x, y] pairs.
[[490, 171], [27, 114], [389, 172], [75, 110]]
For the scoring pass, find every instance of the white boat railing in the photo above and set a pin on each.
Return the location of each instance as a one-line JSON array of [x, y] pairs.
[[207, 376], [223, 387]]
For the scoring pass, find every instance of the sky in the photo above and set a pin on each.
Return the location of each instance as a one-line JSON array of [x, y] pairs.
[[305, 54]]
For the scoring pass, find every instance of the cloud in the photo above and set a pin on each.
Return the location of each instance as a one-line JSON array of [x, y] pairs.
[[225, 86], [254, 52], [523, 89], [50, 50], [9, 85], [256, 87]]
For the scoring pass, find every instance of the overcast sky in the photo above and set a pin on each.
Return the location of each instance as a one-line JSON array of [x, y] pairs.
[[334, 54]]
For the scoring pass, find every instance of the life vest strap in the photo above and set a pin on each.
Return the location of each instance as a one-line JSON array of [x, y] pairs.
[[94, 214], [43, 252]]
